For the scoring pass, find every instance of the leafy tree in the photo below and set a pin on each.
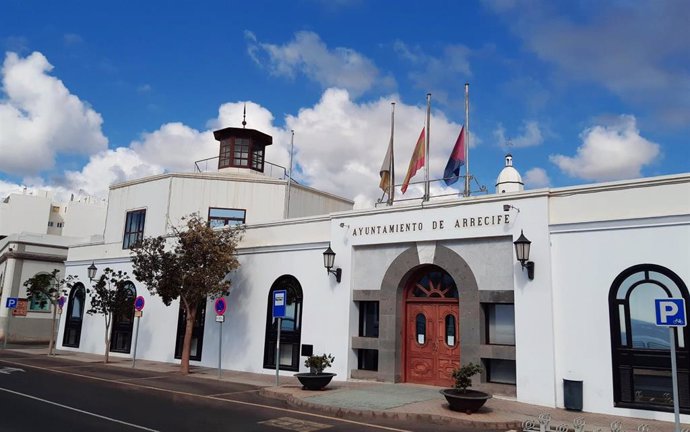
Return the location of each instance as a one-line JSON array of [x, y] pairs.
[[192, 264], [110, 298], [47, 288]]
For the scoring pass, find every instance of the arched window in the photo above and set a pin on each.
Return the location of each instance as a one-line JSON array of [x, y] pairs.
[[432, 282], [75, 315], [123, 322], [640, 349], [290, 328]]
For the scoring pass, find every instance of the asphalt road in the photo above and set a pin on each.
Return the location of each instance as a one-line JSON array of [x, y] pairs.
[[39, 393]]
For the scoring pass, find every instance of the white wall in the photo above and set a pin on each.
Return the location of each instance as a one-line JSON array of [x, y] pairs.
[[324, 322], [167, 198], [305, 201], [24, 213], [586, 260], [262, 198], [643, 198], [84, 219], [151, 195]]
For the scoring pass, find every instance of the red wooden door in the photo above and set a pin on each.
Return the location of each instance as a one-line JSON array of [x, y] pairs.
[[447, 343], [432, 348]]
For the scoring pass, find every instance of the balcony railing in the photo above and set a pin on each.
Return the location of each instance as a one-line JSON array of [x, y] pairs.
[[210, 165]]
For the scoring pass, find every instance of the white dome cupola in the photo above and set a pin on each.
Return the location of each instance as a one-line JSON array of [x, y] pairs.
[[509, 180]]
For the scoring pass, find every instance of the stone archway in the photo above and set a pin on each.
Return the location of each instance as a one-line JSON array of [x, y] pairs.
[[392, 306]]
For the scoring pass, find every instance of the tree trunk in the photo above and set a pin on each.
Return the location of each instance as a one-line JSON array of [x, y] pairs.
[[107, 338], [187, 343], [51, 344]]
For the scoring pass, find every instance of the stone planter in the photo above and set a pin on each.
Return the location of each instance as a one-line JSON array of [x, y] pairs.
[[468, 402], [312, 381]]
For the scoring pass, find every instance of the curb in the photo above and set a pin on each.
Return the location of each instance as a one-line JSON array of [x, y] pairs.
[[350, 413]]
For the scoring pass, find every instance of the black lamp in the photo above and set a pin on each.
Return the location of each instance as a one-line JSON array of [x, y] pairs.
[[92, 271], [522, 246], [328, 261]]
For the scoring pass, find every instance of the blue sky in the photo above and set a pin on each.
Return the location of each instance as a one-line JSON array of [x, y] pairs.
[[578, 92]]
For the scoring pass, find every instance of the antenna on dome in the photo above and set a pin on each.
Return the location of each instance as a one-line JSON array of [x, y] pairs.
[[244, 116]]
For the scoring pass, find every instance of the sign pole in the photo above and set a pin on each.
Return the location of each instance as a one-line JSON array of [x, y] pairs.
[[220, 346], [136, 341], [670, 312], [280, 322], [674, 374], [11, 304], [220, 306], [139, 303], [7, 329]]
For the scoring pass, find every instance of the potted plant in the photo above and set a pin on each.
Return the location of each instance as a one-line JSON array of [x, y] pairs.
[[461, 399], [316, 378]]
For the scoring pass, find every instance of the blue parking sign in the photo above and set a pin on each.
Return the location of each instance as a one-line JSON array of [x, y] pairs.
[[670, 312], [279, 302], [12, 303]]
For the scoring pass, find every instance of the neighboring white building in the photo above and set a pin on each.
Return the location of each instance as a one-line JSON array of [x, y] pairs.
[[425, 287], [35, 232], [40, 213]]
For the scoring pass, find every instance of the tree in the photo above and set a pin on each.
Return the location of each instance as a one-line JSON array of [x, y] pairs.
[[109, 297], [47, 288], [192, 264]]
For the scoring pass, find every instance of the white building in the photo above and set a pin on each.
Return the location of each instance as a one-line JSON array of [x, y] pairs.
[[427, 287], [35, 232]]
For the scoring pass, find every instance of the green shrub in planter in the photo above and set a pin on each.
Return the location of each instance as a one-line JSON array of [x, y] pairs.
[[317, 364], [463, 376]]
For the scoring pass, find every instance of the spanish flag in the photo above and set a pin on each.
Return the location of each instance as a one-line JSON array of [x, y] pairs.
[[416, 162]]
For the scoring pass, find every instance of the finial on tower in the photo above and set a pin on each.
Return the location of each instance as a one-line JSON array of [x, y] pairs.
[[244, 116]]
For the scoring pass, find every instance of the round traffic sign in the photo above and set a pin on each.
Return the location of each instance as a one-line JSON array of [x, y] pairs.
[[139, 303], [220, 306], [61, 302]]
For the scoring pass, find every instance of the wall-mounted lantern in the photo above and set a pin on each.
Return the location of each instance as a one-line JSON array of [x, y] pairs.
[[522, 246], [92, 271], [329, 261]]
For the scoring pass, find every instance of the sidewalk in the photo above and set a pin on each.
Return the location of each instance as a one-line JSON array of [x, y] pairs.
[[364, 399]]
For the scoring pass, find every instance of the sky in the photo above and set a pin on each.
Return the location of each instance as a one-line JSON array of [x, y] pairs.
[[94, 93]]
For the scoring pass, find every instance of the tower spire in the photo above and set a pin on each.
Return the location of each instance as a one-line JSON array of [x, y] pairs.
[[244, 116]]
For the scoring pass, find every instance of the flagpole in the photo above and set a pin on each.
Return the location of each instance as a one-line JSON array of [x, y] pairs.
[[467, 139], [289, 177], [426, 147], [391, 186]]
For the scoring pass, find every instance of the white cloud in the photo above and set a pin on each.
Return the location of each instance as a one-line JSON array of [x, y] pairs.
[[7, 188], [307, 53], [531, 135], [340, 144], [108, 167], [614, 151], [175, 146], [536, 178], [40, 118]]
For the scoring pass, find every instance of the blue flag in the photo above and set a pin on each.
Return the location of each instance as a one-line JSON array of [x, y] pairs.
[[457, 159]]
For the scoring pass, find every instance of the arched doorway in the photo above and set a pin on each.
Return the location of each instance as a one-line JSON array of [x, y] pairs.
[[640, 350], [123, 322], [75, 316], [290, 328], [432, 346]]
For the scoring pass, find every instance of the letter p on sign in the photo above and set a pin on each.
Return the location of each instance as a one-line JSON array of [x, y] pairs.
[[670, 312]]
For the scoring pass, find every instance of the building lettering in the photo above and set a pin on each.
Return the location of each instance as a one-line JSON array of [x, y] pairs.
[[436, 225]]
